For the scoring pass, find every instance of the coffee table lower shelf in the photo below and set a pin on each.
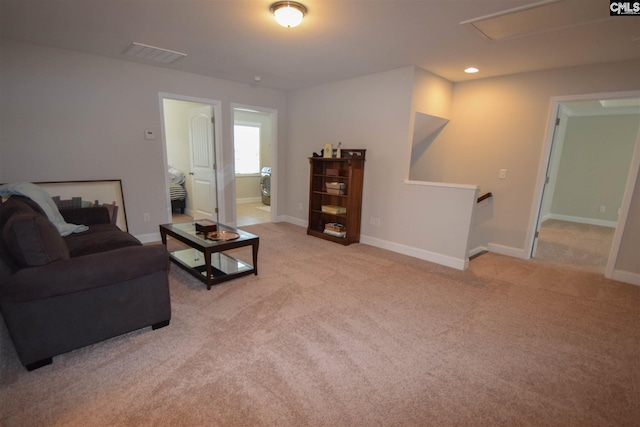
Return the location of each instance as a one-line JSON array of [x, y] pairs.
[[223, 267]]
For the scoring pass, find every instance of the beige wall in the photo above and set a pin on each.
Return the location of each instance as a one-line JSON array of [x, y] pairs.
[[67, 115], [501, 123], [70, 116], [431, 106], [594, 165], [176, 129], [629, 255], [375, 113]]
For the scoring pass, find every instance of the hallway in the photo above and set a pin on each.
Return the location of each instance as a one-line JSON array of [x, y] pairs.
[[252, 213]]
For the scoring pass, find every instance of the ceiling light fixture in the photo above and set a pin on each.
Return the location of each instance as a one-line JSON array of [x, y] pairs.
[[471, 70], [288, 13]]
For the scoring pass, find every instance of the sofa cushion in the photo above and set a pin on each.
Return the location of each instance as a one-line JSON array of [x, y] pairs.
[[99, 238], [33, 240], [17, 204]]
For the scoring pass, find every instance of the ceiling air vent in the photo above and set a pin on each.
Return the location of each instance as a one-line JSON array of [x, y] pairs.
[[154, 54], [535, 18]]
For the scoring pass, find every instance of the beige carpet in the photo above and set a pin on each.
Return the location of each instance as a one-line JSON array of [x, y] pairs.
[[328, 335], [575, 245]]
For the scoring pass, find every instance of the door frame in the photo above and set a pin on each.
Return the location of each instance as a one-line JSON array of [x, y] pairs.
[[274, 155], [545, 160], [217, 148]]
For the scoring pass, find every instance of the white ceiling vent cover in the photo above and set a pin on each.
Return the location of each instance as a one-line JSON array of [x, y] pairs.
[[151, 53], [535, 18]]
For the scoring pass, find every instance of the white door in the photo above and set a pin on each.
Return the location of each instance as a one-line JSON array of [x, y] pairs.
[[203, 180]]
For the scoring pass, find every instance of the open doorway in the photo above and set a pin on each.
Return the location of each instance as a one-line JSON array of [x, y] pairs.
[[190, 149], [254, 143], [588, 167]]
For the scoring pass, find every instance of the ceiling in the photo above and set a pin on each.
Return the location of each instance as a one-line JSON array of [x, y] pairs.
[[238, 39]]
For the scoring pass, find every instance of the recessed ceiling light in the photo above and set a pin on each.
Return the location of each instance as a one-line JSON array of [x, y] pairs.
[[471, 70]]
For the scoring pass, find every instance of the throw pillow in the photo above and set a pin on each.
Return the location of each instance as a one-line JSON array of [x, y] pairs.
[[33, 240]]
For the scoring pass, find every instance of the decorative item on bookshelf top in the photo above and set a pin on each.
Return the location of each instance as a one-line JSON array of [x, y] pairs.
[[328, 152]]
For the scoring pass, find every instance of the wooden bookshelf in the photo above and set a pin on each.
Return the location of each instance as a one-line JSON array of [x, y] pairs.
[[348, 170]]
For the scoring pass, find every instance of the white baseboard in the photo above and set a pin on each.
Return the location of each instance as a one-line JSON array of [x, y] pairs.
[[626, 276], [507, 250], [280, 218], [148, 238], [581, 220], [249, 200], [294, 220], [448, 261], [459, 264], [477, 250]]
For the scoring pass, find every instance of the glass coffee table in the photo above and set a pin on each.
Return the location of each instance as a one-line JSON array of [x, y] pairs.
[[205, 258]]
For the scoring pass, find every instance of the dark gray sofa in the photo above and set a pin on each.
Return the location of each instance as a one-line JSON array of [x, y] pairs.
[[58, 294]]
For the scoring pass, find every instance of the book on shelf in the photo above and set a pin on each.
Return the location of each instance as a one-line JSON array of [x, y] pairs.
[[336, 187], [335, 233], [332, 209]]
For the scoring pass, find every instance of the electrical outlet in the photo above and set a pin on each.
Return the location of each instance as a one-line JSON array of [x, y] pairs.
[[502, 174], [147, 217], [603, 208]]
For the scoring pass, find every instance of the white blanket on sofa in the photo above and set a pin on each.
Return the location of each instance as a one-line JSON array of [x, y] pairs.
[[44, 200]]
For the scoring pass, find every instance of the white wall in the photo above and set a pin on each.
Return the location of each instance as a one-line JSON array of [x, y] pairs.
[[68, 115]]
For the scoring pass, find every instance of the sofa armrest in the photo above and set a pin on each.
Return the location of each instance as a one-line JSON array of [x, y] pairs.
[[86, 216], [85, 272]]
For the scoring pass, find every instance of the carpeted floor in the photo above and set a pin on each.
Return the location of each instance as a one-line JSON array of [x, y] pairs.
[[582, 246], [328, 335]]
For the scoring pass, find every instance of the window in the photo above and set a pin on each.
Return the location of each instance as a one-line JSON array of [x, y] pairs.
[[247, 148]]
